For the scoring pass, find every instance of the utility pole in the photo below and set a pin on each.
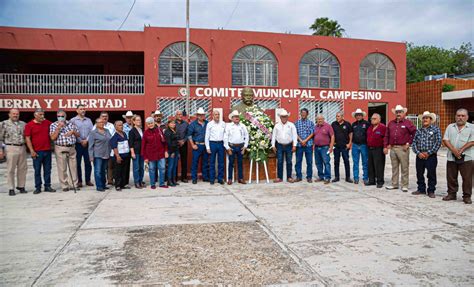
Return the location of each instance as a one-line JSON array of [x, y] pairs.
[[188, 91]]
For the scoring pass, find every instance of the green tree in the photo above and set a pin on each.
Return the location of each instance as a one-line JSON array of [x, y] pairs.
[[326, 27], [430, 60]]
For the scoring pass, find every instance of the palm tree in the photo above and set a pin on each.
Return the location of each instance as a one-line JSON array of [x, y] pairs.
[[326, 27]]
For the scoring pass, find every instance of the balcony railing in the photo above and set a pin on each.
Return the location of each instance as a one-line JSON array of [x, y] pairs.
[[61, 84]]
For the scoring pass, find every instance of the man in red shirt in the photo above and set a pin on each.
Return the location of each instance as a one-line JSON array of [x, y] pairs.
[[398, 138], [375, 136], [39, 144]]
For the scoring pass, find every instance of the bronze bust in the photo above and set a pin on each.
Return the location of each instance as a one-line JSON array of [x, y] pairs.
[[247, 96]]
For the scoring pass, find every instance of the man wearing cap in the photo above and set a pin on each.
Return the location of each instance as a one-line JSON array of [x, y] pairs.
[[214, 140], [39, 144], [459, 139], [304, 129], [196, 137], [11, 134], [64, 134], [182, 131], [158, 116], [426, 144], [85, 126], [398, 138], [359, 146], [128, 125], [284, 141], [342, 145], [236, 140], [323, 146]]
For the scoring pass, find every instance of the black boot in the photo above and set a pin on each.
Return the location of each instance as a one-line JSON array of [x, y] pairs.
[[11, 192], [22, 190]]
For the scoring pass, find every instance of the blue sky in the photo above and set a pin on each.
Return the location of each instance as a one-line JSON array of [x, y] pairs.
[[440, 23]]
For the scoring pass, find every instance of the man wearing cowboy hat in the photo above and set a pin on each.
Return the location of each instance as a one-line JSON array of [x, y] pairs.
[[236, 140], [359, 146], [196, 137], [127, 126], [459, 139], [214, 141], [158, 116], [284, 140], [398, 137], [426, 144]]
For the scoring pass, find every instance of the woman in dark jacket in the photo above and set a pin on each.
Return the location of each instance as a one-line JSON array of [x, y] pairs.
[[135, 142], [173, 151]]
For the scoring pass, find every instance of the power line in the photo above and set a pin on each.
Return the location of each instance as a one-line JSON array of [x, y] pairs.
[[128, 14], [232, 14]]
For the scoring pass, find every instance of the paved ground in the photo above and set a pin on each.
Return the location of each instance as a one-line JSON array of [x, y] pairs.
[[300, 234]]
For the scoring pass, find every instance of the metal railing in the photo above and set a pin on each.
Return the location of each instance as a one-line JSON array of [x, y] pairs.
[[66, 84]]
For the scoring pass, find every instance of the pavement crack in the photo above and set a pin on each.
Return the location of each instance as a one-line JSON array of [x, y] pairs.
[[66, 244]]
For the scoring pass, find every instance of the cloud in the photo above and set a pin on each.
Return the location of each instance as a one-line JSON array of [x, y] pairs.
[[441, 23]]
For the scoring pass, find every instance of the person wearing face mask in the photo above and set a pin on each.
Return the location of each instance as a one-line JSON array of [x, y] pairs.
[[39, 144], [64, 134], [84, 125], [11, 134]]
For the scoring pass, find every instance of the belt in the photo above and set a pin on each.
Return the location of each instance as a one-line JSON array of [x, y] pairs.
[[217, 142], [375, 147], [285, 144], [68, 145], [236, 145], [321, 145], [200, 143], [15, 144]]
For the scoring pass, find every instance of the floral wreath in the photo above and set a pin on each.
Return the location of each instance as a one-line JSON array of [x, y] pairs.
[[260, 127]]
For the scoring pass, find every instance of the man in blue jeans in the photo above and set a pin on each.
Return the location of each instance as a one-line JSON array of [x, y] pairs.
[[214, 141], [426, 144], [323, 146], [342, 145], [359, 146], [284, 140], [304, 129], [236, 140], [196, 137], [39, 144], [84, 125]]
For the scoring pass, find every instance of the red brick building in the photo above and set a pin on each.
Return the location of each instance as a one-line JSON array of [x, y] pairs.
[[429, 96], [144, 70]]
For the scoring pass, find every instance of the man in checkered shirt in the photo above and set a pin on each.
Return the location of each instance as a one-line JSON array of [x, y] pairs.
[[64, 134], [426, 144]]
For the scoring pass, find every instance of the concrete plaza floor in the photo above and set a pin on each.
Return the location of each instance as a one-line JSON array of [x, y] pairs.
[[265, 234]]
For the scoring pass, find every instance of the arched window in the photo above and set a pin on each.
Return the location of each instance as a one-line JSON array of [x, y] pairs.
[[254, 65], [172, 65], [319, 69], [377, 72]]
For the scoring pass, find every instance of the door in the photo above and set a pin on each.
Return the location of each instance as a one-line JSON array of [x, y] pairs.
[[379, 108]]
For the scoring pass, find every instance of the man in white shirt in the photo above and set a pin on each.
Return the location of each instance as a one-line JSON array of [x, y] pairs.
[[284, 140], [236, 140], [110, 165], [214, 141]]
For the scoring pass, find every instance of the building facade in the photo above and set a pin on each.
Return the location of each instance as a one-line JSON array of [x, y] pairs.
[[442, 97], [145, 70]]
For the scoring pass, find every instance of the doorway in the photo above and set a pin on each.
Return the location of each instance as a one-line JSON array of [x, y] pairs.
[[379, 108]]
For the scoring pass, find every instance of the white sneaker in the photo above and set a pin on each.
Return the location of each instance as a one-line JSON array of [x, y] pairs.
[[390, 187], [404, 189]]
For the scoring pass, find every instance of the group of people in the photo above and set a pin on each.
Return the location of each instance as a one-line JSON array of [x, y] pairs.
[[112, 148]]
